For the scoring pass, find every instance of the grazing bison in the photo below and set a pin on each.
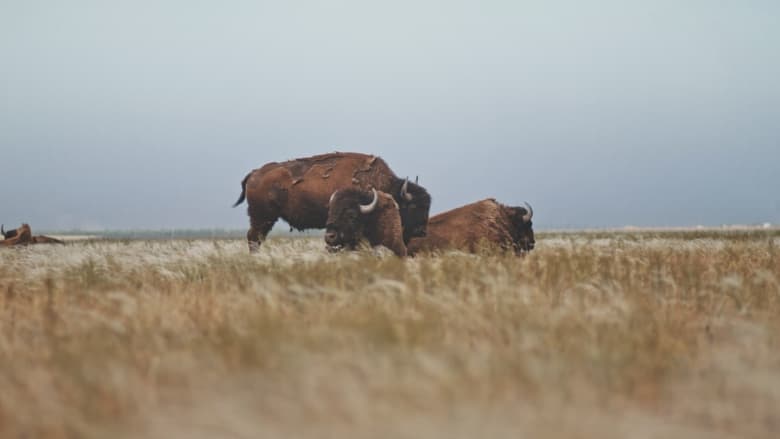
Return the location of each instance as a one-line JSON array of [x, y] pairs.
[[23, 236], [354, 214], [465, 227], [298, 192]]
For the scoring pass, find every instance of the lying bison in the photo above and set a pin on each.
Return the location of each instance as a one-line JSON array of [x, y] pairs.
[[42, 239], [19, 236], [298, 192], [354, 214], [23, 236], [486, 221]]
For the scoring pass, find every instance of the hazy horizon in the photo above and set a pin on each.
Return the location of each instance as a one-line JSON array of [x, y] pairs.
[[147, 115]]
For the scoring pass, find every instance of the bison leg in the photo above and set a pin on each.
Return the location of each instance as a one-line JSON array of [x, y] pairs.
[[258, 230]]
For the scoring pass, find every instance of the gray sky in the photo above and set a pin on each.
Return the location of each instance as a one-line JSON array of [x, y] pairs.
[[148, 114]]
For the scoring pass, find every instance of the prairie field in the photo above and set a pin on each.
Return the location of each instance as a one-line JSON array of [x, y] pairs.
[[592, 335]]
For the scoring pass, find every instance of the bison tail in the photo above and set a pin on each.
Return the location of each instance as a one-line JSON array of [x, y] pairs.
[[240, 200], [242, 197]]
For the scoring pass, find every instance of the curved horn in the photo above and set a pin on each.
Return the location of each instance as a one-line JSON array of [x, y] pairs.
[[333, 195], [368, 208], [404, 194], [527, 217]]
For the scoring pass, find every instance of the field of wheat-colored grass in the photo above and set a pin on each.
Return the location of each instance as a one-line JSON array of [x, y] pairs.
[[607, 335]]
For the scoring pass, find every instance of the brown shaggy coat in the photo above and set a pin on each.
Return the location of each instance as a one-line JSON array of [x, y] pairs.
[[346, 225], [470, 226]]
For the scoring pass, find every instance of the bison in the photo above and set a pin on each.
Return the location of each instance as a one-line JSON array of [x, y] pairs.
[[354, 214], [298, 192], [20, 236], [23, 236], [486, 221], [42, 239]]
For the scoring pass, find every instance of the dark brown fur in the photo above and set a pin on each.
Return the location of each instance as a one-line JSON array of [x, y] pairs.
[[298, 192], [346, 225], [468, 227]]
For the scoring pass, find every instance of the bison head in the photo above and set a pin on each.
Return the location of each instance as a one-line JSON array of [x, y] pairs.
[[346, 217], [414, 203], [523, 233]]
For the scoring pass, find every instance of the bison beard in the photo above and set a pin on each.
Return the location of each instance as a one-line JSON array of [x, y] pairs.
[[469, 226], [355, 214], [298, 192]]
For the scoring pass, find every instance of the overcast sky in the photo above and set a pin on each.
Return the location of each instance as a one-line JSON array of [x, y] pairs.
[[148, 114]]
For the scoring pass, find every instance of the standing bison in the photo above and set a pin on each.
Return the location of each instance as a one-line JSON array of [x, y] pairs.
[[488, 221], [298, 191], [354, 214]]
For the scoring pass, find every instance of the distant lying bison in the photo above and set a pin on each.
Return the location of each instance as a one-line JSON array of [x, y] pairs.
[[19, 236], [486, 221], [298, 192], [23, 236], [354, 214]]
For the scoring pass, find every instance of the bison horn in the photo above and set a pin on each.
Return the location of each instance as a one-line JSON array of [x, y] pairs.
[[404, 194], [332, 196], [368, 208], [527, 217]]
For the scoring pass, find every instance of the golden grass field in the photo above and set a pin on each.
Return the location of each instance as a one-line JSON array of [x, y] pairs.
[[600, 335]]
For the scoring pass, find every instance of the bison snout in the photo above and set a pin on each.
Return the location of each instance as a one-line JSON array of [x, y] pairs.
[[331, 237]]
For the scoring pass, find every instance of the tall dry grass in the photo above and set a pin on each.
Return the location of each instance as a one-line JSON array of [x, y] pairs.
[[624, 335]]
